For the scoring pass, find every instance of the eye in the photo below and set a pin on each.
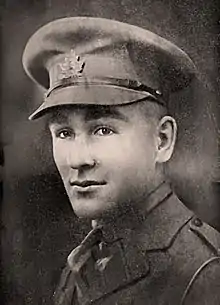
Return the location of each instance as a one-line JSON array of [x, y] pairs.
[[64, 134], [104, 131]]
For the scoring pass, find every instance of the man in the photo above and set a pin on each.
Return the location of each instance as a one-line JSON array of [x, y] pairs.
[[108, 86]]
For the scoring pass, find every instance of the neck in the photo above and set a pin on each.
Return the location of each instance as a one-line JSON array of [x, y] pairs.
[[125, 224]]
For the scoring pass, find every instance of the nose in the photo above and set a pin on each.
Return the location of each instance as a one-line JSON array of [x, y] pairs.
[[80, 155]]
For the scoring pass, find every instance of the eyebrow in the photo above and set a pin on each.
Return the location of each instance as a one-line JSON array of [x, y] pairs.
[[91, 113]]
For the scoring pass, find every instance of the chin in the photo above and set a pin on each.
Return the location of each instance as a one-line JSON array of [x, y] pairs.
[[87, 211], [90, 215], [92, 210]]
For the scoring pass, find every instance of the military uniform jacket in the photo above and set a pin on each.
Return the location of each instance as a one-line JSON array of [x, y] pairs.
[[173, 261]]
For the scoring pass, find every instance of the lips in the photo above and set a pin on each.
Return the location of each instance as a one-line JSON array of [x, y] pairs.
[[86, 183]]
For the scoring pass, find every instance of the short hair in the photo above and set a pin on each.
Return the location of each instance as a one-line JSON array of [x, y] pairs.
[[152, 109]]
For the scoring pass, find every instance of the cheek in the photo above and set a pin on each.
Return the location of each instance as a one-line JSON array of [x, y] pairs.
[[133, 150], [129, 161], [59, 155], [108, 149], [138, 162]]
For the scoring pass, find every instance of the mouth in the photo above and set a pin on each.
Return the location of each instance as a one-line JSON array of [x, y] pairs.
[[86, 185]]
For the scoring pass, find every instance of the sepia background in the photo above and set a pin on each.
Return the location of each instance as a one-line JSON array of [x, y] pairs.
[[38, 228]]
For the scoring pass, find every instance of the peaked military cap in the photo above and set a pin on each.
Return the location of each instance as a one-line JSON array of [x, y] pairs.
[[85, 60]]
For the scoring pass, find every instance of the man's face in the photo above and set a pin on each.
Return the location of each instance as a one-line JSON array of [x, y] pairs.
[[105, 156]]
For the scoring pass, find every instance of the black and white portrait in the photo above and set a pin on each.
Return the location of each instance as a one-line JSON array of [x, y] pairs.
[[110, 152]]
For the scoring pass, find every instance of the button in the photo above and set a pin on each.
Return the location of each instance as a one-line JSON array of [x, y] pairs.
[[158, 92], [197, 222]]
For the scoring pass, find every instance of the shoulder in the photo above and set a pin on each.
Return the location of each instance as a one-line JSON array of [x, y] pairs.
[[204, 286], [190, 231], [202, 248], [201, 236], [196, 246]]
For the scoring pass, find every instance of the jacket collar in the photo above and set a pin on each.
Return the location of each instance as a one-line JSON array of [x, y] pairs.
[[119, 257], [163, 224], [157, 227]]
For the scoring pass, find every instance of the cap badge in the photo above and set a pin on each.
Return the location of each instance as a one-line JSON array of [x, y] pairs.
[[72, 66]]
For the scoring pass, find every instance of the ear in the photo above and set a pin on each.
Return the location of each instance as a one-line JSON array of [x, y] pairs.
[[166, 138]]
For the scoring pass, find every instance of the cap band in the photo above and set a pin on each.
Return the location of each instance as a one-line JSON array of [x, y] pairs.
[[107, 81]]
